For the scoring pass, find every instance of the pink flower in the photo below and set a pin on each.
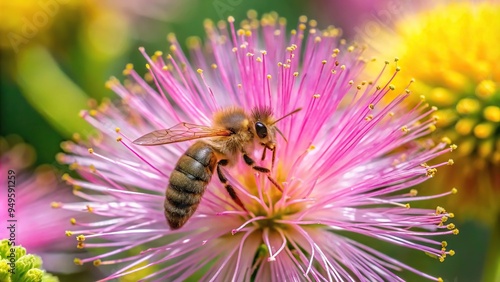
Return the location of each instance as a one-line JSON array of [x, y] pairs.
[[39, 227], [346, 168]]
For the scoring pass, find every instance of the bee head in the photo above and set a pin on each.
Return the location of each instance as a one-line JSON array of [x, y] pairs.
[[263, 126]]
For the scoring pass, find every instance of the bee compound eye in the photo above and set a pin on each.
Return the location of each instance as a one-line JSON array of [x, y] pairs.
[[261, 129]]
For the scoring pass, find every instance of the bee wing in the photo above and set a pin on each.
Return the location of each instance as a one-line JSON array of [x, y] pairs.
[[178, 133]]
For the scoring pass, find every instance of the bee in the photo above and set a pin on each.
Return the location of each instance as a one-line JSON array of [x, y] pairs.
[[233, 133]]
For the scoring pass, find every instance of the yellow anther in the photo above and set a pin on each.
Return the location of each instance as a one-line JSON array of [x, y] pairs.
[[468, 106], [405, 129], [316, 96], [450, 162], [450, 226], [118, 139], [492, 113], [440, 210], [446, 140], [68, 233], [369, 117], [90, 150], [73, 221], [78, 261], [485, 89], [97, 262], [451, 252], [413, 192], [484, 130], [464, 126], [371, 106], [392, 87], [453, 147], [80, 238], [55, 205], [455, 232]]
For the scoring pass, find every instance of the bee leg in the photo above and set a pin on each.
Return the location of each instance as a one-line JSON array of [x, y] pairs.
[[263, 154], [229, 188], [249, 161]]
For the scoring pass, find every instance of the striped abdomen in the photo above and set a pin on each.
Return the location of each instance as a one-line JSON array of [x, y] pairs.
[[187, 183]]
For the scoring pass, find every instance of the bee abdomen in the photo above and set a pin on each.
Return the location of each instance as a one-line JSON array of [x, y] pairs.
[[187, 183]]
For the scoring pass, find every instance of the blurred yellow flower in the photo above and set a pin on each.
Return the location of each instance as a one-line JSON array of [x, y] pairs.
[[452, 52]]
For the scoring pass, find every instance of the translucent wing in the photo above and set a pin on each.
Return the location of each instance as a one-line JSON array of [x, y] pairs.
[[179, 133]]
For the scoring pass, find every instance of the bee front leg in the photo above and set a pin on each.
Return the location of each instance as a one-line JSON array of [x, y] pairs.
[[229, 188], [249, 161]]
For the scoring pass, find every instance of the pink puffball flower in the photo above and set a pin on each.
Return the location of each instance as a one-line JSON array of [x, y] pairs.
[[30, 200], [346, 166]]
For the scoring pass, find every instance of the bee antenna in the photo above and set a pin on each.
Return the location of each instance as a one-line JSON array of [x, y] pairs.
[[289, 114], [281, 133]]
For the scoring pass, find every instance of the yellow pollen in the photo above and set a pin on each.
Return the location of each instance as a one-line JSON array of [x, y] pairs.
[[316, 96], [442, 97], [453, 147], [450, 162], [451, 252], [89, 208], [97, 262], [450, 226], [468, 106], [296, 74], [444, 244], [369, 117], [92, 168], [446, 140], [455, 232], [118, 139], [80, 245], [432, 127], [440, 210], [464, 126], [407, 206], [392, 87], [55, 205], [268, 76], [80, 238], [200, 71], [492, 113], [371, 106], [413, 192], [68, 233], [91, 151], [405, 129], [72, 221], [78, 261], [484, 130], [431, 172], [486, 89]]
